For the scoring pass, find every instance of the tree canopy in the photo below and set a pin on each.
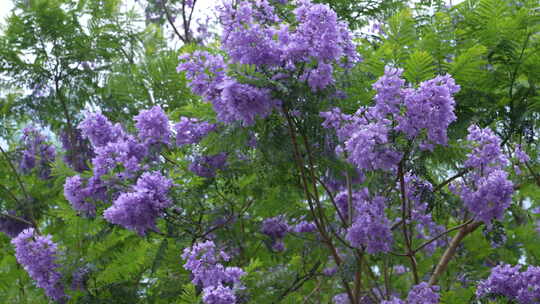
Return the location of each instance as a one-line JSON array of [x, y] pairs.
[[270, 151]]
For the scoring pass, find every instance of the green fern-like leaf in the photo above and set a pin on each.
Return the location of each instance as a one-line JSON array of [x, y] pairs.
[[189, 295], [419, 67]]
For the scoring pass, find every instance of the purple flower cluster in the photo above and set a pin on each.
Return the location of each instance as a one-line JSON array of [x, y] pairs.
[[218, 282], [113, 146], [487, 191], [521, 155], [77, 150], [232, 101], [206, 166], [505, 280], [489, 197], [153, 126], [242, 102], [366, 135], [138, 210], [341, 298], [304, 227], [191, 130], [342, 201], [120, 156], [389, 92], [422, 293], [429, 108], [276, 228], [37, 254], [370, 227], [368, 147], [253, 34], [99, 130], [36, 153], [80, 195], [486, 155]]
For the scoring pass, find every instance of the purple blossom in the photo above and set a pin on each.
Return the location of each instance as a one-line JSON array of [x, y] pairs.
[[138, 210], [242, 102], [206, 166], [191, 130], [253, 34], [393, 300], [486, 154], [529, 292], [318, 34], [304, 227], [342, 201], [416, 190], [153, 126], [79, 278], [370, 227], [320, 77], [245, 39], [37, 254], [218, 294], [205, 72], [77, 150], [278, 245], [504, 280], [82, 193], [126, 151], [389, 92], [36, 153], [521, 155], [330, 271], [275, 227], [400, 269], [365, 139], [204, 261], [368, 147], [490, 196], [423, 293], [430, 108], [341, 298], [77, 194], [487, 191], [99, 130]]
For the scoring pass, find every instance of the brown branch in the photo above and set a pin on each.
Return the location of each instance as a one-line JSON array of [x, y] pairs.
[[299, 281], [318, 221], [17, 219], [171, 22], [405, 215], [451, 250], [448, 181], [441, 235], [10, 194]]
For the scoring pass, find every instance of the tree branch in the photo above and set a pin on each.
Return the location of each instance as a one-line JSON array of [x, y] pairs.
[[451, 250]]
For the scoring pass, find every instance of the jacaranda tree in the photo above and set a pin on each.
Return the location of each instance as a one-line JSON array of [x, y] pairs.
[[382, 152]]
